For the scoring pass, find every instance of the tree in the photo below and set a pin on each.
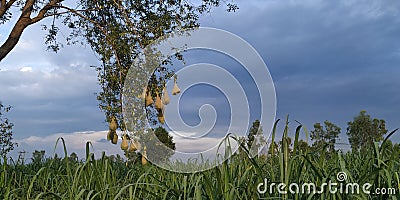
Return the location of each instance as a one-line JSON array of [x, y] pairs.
[[242, 144], [118, 31], [325, 136], [158, 150], [303, 146], [6, 133], [363, 131], [164, 137], [32, 12], [38, 156], [255, 138], [73, 157], [165, 145]]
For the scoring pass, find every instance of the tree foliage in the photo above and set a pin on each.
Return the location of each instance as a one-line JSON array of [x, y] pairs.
[[363, 131], [119, 30], [255, 138], [159, 149], [303, 146], [324, 136], [31, 12], [162, 149], [38, 156], [6, 133], [164, 137]]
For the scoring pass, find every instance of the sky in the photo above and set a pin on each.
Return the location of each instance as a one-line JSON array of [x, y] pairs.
[[328, 61]]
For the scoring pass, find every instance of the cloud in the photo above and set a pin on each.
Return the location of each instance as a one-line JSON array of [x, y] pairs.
[[44, 102], [190, 143], [26, 69], [328, 60], [50, 92], [60, 83]]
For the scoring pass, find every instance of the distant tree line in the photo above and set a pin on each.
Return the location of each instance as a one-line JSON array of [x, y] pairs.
[[363, 132]]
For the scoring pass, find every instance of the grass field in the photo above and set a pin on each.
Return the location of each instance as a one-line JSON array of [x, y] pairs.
[[236, 178]]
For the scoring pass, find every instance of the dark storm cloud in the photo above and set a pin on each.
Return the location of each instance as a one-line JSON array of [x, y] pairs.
[[329, 60], [50, 93], [49, 102]]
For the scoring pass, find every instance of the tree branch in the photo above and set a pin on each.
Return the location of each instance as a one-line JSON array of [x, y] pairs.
[[77, 12], [17, 30], [5, 6], [44, 10], [97, 25], [66, 12], [25, 20]]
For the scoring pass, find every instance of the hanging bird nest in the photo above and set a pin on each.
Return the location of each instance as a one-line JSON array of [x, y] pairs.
[[160, 114], [144, 160], [161, 119], [158, 103], [137, 144], [132, 146], [149, 99], [124, 143], [176, 89], [144, 155], [115, 138], [165, 97], [112, 133], [113, 124]]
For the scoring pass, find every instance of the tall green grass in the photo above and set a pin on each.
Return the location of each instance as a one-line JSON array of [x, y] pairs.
[[236, 178]]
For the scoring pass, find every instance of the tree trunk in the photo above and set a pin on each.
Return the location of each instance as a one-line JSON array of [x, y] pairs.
[[23, 22], [13, 37]]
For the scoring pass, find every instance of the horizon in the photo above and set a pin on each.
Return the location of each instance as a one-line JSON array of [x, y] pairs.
[[325, 66]]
